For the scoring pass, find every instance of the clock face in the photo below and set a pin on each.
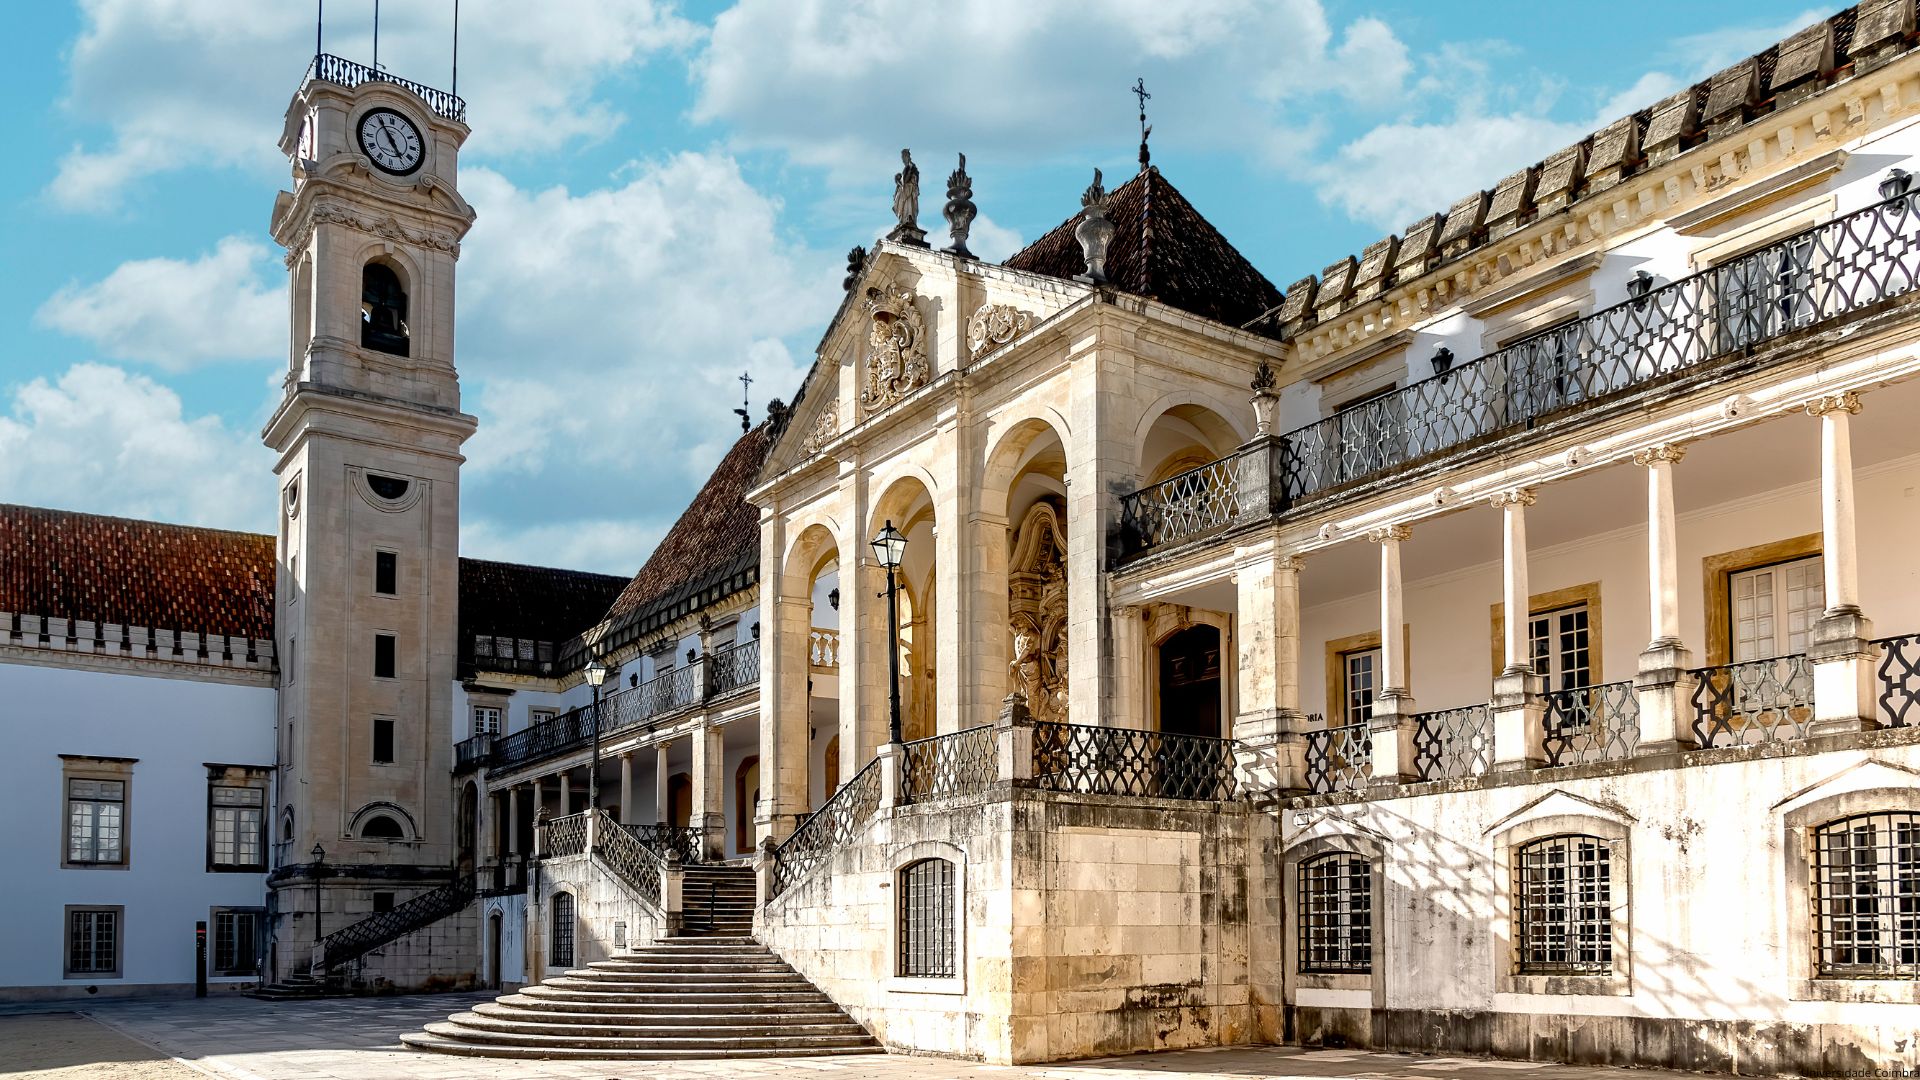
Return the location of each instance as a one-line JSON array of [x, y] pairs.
[[391, 141]]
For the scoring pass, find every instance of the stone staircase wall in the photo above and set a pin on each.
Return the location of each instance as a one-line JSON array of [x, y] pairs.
[[443, 955], [610, 916]]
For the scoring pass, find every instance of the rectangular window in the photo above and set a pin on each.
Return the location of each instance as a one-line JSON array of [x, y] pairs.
[[1866, 896], [927, 939], [382, 740], [383, 656], [486, 720], [1563, 906], [386, 573], [1336, 914], [93, 942], [1774, 608], [1561, 647], [237, 939], [236, 827], [1361, 669], [382, 901], [96, 822], [540, 716]]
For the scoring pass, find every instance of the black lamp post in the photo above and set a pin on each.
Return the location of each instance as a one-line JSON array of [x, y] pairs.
[[596, 674], [888, 546], [319, 868]]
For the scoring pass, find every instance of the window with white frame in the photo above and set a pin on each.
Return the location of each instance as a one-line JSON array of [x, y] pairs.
[[540, 716], [1560, 645], [1360, 681], [236, 827], [1336, 914], [237, 940], [1563, 906], [1866, 896], [486, 720], [927, 938], [96, 821], [1774, 608], [93, 942]]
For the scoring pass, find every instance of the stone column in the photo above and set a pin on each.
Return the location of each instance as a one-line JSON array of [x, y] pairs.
[[709, 788], [566, 793], [513, 820], [1663, 685], [786, 619], [988, 639], [539, 798], [1129, 706], [1269, 728], [1394, 710], [952, 707], [1100, 436], [626, 788], [662, 797], [1840, 646], [863, 614], [1519, 709]]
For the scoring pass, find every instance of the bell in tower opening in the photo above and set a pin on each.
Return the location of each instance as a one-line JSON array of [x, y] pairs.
[[383, 309]]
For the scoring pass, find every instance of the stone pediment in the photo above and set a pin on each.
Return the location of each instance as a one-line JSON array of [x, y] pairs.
[[1863, 775]]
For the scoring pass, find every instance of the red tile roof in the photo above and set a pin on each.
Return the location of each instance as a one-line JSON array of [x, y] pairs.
[[1163, 249], [538, 603], [139, 573]]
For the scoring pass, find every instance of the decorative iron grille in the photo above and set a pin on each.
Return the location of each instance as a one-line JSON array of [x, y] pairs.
[[663, 840], [635, 863], [732, 667], [567, 835], [927, 939], [952, 764], [1753, 702], [1128, 761], [1592, 723], [1835, 268], [1336, 914], [342, 72], [1339, 758], [382, 927], [831, 826], [665, 693], [1866, 897], [1563, 906], [560, 937], [1452, 743], [735, 666], [1899, 674]]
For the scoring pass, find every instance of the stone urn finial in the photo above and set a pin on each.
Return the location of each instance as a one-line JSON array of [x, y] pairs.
[[960, 210], [1264, 399], [1094, 232]]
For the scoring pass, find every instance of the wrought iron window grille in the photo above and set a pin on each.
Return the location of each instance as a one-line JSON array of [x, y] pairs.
[[1866, 897], [927, 937], [1563, 906], [1336, 914]]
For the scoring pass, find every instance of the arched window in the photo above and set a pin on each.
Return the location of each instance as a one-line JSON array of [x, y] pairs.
[[1866, 896], [1563, 906], [1336, 914], [382, 827], [286, 826], [927, 938], [383, 310], [560, 934]]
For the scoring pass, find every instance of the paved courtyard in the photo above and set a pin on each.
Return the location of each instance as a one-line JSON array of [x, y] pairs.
[[358, 1039]]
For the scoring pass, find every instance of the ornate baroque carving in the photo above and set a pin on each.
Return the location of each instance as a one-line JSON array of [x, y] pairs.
[[995, 325], [824, 429], [1037, 610], [328, 212], [896, 349]]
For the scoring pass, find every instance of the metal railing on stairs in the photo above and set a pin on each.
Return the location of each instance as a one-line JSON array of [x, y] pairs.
[[829, 827], [383, 927]]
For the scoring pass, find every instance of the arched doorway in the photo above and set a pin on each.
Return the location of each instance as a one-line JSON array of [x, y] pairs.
[[469, 824], [1190, 682], [680, 800], [494, 924]]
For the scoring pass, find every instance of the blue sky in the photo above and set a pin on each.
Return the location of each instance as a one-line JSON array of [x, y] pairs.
[[667, 194]]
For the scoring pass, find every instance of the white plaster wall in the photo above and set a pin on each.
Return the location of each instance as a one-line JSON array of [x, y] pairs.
[[173, 727]]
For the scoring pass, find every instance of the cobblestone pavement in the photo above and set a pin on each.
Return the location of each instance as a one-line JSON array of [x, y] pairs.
[[358, 1039]]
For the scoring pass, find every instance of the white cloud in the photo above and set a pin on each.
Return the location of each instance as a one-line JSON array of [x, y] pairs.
[[229, 304], [605, 546], [193, 82], [1700, 55], [845, 85], [105, 440]]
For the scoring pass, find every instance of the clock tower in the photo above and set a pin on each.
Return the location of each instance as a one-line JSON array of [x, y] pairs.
[[368, 434]]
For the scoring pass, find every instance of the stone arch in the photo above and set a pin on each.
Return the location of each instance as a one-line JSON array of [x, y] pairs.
[[357, 824], [1183, 430], [908, 501], [1011, 455]]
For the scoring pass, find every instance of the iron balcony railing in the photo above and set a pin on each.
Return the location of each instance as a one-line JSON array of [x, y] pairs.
[[723, 671], [830, 827], [1131, 762], [566, 836], [1899, 677], [1671, 333], [343, 72], [1453, 743], [1591, 723], [956, 763], [689, 843], [1339, 758], [470, 754], [1753, 702]]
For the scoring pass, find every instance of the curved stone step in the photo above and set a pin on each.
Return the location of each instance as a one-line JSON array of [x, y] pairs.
[[466, 1033], [670, 1033], [420, 1040], [563, 1012], [656, 997]]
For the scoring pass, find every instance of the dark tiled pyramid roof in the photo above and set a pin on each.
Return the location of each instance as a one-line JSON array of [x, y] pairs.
[[716, 538], [534, 602], [1162, 248], [68, 565]]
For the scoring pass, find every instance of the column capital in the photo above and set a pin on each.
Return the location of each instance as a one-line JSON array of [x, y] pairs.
[[1291, 564], [1846, 402], [1662, 453], [1512, 497], [1390, 532]]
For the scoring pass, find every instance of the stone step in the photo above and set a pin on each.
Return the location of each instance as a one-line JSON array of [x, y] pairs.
[[583, 980], [728, 996], [692, 1012], [671, 1033], [467, 1033], [420, 1040], [676, 965]]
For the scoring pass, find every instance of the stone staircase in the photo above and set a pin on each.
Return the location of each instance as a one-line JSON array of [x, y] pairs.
[[719, 996], [301, 986], [717, 899]]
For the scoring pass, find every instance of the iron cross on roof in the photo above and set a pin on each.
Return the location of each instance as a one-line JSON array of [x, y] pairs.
[[745, 411], [1140, 91]]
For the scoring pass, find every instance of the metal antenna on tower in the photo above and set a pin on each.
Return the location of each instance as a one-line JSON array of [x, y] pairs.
[[319, 22], [745, 411], [456, 48], [376, 35]]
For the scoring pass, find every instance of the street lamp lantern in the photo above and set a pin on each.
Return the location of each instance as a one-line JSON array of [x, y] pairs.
[[319, 865], [319, 853], [596, 674], [889, 546]]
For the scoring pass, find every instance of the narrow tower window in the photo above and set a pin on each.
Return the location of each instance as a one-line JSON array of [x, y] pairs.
[[383, 656], [386, 572], [383, 310]]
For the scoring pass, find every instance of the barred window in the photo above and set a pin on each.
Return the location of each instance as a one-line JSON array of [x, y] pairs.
[[93, 942], [560, 934], [236, 827], [1563, 906], [236, 940], [926, 920], [1866, 897], [1336, 914], [96, 816]]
